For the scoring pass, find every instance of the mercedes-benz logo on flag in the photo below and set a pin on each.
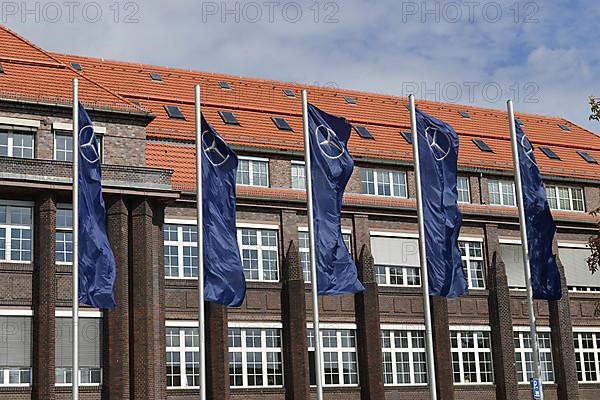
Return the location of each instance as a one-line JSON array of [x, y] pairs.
[[88, 146], [439, 143], [329, 143], [214, 148], [527, 148]]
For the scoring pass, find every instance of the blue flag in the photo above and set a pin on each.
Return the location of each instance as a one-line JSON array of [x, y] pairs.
[[224, 280], [97, 267], [545, 279], [332, 166], [438, 156]]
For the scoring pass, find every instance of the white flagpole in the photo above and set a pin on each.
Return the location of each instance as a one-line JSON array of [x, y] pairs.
[[313, 253], [537, 371], [423, 253], [199, 219], [75, 273]]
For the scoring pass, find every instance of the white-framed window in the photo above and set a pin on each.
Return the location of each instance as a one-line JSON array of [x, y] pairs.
[[524, 355], [394, 275], [587, 355], [90, 348], [463, 189], [304, 250], [180, 250], [298, 175], [260, 255], [583, 289], [471, 355], [64, 234], [16, 231], [16, 143], [183, 358], [63, 144], [253, 171], [472, 257], [502, 193], [404, 358], [255, 356], [15, 347], [340, 363], [565, 198], [383, 183]]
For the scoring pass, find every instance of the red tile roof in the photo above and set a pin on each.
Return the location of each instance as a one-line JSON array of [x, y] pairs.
[[255, 101], [30, 73]]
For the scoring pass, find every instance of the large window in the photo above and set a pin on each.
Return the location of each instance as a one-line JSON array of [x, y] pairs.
[[298, 178], [396, 260], [63, 146], [587, 356], [255, 357], [463, 190], [304, 250], [383, 183], [404, 360], [524, 356], [393, 275], [180, 251], [64, 235], [253, 171], [259, 254], [471, 356], [502, 193], [340, 364], [472, 258], [183, 359], [565, 198], [15, 350], [15, 232], [15, 143], [90, 350]]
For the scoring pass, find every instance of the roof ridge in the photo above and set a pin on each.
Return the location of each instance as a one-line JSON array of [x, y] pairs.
[[276, 83], [52, 56]]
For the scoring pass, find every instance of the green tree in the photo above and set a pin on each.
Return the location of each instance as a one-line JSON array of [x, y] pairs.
[[594, 259]]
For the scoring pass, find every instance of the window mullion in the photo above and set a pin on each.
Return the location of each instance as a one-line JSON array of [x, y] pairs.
[[340, 352], [263, 350], [244, 351]]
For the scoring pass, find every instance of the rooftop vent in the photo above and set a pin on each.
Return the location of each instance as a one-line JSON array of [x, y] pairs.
[[549, 153], [363, 132], [224, 85], [464, 114], [289, 93], [350, 100], [407, 136], [77, 66], [282, 124], [483, 146], [587, 157], [564, 127], [155, 76]]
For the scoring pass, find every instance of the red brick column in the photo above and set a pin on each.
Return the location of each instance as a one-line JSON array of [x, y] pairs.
[[217, 352], [293, 314], [563, 353], [44, 298], [116, 322], [147, 320], [441, 348], [505, 374], [368, 324]]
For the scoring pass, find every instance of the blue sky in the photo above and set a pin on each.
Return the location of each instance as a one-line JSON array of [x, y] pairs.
[[543, 55]]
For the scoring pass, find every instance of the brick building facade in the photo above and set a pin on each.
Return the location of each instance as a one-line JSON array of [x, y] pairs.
[[373, 342]]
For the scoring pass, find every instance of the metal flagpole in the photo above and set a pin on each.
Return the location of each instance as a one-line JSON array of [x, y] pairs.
[[199, 219], [75, 370], [537, 371], [313, 253], [422, 252]]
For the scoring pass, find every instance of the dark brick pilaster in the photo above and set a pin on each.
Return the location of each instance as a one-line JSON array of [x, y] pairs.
[[563, 354], [441, 348], [147, 322], [217, 350], [368, 324], [293, 314], [116, 322], [501, 324], [44, 299], [360, 232]]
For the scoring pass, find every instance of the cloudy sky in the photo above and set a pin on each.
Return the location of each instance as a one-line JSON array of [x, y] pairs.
[[542, 54]]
